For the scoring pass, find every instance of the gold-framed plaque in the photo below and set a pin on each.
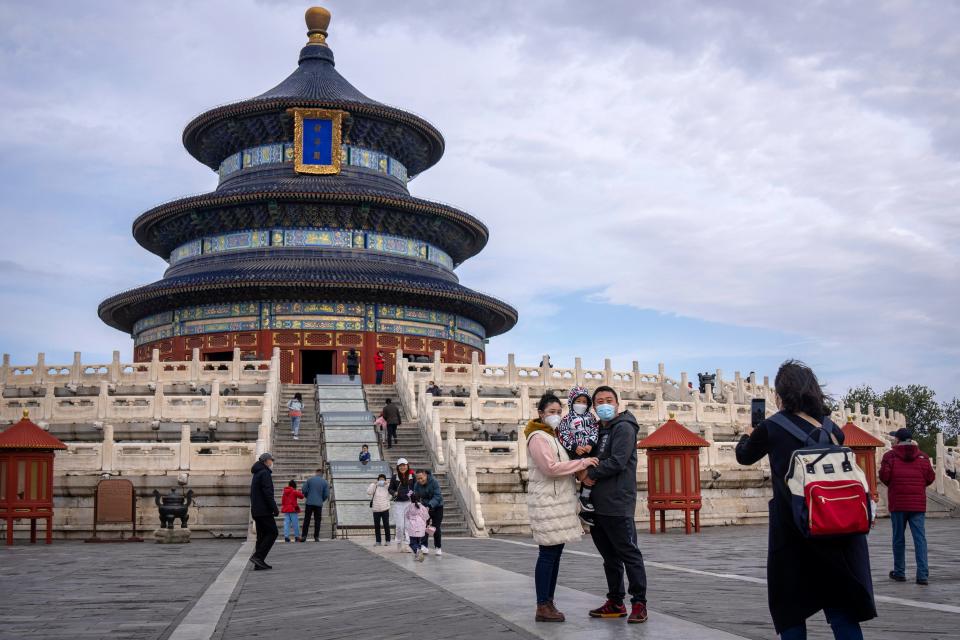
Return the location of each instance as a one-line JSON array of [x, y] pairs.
[[316, 140]]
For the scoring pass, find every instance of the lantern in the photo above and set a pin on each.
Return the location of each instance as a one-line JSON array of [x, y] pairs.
[[673, 473], [26, 476], [864, 446]]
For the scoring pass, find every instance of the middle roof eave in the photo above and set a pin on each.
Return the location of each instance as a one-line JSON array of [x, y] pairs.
[[163, 228]]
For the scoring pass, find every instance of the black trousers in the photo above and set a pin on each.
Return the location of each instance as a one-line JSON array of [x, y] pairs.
[[316, 512], [391, 433], [616, 539], [436, 519], [384, 517], [379, 376], [266, 535], [352, 372]]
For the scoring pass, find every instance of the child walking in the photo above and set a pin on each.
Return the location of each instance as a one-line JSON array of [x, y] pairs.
[[415, 518], [291, 511], [295, 411], [578, 434]]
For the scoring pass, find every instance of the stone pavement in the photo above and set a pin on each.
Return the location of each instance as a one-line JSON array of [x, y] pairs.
[[702, 586]]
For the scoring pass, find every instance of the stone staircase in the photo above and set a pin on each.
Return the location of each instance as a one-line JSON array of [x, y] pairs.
[[298, 459], [410, 445]]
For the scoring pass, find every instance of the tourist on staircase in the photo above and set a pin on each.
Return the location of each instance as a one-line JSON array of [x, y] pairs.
[[578, 434], [364, 457], [353, 364], [400, 488], [295, 411], [415, 516], [316, 491], [551, 501], [291, 511], [378, 363], [263, 509], [380, 504], [391, 415], [427, 490], [806, 574], [907, 472], [614, 497]]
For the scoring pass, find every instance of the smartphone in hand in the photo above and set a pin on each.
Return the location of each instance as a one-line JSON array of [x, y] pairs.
[[758, 412]]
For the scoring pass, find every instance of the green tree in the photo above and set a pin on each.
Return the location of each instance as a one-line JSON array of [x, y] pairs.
[[951, 418], [864, 394], [919, 407]]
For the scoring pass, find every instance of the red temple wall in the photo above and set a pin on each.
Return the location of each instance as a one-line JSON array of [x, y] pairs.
[[258, 345]]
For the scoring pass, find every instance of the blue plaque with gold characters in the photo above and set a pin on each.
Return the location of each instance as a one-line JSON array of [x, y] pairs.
[[316, 140]]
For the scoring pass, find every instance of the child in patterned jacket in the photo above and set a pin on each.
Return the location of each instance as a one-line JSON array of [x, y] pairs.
[[577, 433]]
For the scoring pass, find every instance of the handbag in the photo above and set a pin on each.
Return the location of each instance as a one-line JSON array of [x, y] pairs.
[[430, 529]]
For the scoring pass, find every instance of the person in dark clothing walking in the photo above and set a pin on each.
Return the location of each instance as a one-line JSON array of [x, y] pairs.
[[427, 490], [378, 363], [353, 364], [263, 508], [316, 491], [907, 472], [391, 415], [806, 575], [614, 497]]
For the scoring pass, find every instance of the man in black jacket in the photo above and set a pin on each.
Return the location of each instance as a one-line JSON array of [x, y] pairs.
[[614, 496], [391, 414], [263, 508]]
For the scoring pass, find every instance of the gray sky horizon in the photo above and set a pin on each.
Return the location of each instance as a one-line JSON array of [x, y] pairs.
[[707, 184]]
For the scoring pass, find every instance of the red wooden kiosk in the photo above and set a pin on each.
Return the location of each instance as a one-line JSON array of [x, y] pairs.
[[673, 473], [864, 446], [26, 476]]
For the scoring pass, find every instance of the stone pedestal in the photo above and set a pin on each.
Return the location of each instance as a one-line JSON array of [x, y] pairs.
[[172, 536]]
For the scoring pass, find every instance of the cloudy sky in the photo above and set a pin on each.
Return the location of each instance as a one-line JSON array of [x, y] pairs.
[[705, 184]]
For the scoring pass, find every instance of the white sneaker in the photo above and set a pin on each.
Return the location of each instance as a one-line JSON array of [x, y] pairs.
[[425, 550], [308, 539], [399, 547], [420, 555], [439, 552], [296, 437]]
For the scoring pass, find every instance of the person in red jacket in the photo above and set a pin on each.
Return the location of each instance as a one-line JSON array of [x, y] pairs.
[[378, 365], [291, 511], [907, 472]]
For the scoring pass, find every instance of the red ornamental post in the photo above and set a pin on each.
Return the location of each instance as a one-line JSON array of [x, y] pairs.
[[673, 473], [864, 445], [26, 476]]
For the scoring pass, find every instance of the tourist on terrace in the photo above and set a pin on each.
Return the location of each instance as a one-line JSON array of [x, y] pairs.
[[433, 389], [291, 511], [950, 463], [614, 496], [577, 433], [907, 472], [378, 365], [551, 501], [353, 364], [263, 509], [391, 415], [427, 490], [316, 490], [806, 575], [380, 503], [400, 488], [295, 411]]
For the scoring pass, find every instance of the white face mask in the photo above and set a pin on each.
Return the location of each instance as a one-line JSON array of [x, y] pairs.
[[551, 421], [579, 408], [381, 482]]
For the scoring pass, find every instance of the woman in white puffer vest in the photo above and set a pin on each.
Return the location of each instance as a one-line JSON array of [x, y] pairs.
[[551, 501]]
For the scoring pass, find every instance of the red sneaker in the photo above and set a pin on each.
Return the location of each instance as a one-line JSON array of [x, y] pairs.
[[638, 614], [610, 610]]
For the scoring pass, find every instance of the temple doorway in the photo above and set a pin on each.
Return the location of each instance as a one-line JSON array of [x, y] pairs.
[[218, 356], [315, 362]]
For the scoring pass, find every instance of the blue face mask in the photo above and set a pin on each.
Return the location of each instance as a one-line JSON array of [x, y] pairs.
[[606, 411]]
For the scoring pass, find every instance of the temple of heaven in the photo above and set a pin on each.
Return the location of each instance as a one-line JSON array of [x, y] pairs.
[[311, 241]]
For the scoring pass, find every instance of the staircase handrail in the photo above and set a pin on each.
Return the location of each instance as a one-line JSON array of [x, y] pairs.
[[463, 481], [332, 500]]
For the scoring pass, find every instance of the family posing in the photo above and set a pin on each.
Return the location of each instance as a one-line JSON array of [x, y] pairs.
[[602, 454]]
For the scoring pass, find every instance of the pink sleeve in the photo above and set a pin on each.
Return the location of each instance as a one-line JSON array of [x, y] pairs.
[[543, 457]]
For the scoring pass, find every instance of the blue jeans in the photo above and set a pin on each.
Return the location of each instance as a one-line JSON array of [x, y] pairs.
[[295, 425], [844, 627], [547, 572], [291, 521], [899, 520]]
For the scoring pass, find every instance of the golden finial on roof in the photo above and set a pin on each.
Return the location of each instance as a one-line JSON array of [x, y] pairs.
[[318, 19], [26, 414], [671, 415], [849, 418]]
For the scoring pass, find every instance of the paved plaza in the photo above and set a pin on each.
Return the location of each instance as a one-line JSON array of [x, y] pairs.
[[708, 586]]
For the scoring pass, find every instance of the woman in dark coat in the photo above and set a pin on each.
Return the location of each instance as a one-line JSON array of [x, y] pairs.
[[806, 575]]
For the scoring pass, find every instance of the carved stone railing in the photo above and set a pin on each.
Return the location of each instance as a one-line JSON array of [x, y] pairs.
[[463, 480]]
